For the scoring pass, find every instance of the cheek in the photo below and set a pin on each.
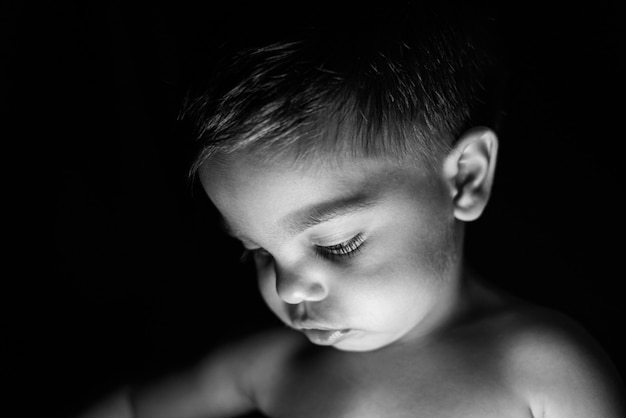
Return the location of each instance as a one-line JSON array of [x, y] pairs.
[[417, 250], [427, 242], [393, 285], [438, 250], [402, 277], [389, 286], [387, 303]]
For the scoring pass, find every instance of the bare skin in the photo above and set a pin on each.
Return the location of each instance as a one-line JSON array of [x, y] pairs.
[[363, 261], [501, 358], [450, 374]]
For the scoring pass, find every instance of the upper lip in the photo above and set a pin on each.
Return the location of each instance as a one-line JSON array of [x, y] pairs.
[[306, 324], [302, 319]]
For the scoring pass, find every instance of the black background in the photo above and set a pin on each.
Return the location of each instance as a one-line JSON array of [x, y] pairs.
[[116, 270]]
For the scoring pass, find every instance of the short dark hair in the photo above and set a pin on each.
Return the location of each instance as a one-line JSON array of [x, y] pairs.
[[405, 85]]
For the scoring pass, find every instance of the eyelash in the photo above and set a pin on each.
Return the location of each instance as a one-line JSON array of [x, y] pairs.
[[346, 249]]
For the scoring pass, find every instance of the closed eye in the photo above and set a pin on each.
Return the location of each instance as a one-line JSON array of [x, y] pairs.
[[347, 248]]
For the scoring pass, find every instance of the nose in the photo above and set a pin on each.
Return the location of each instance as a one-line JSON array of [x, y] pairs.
[[296, 285]]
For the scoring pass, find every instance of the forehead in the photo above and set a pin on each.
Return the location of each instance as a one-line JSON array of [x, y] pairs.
[[240, 174], [255, 196]]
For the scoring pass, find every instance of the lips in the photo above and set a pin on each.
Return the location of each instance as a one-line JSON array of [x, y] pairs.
[[325, 336], [320, 332]]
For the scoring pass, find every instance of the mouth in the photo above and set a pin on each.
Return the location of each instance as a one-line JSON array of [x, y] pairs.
[[325, 336], [320, 332]]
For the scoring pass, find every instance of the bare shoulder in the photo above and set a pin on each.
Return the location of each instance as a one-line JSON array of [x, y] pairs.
[[230, 381], [553, 363], [266, 344], [257, 361], [259, 351]]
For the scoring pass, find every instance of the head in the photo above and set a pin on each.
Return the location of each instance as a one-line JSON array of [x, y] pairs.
[[345, 163]]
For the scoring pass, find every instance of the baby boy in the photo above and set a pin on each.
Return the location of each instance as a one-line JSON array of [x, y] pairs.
[[347, 163]]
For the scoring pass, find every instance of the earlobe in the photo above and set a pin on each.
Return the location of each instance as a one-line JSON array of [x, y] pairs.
[[469, 170]]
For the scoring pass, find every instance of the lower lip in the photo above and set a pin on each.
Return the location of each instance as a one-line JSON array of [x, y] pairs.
[[326, 337]]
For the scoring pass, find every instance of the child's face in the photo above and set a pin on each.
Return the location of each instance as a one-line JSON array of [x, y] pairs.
[[355, 255]]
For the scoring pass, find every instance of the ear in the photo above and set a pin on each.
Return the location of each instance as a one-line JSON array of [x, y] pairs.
[[469, 170]]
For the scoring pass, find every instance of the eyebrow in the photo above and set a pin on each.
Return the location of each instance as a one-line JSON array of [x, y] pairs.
[[313, 215], [316, 214]]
